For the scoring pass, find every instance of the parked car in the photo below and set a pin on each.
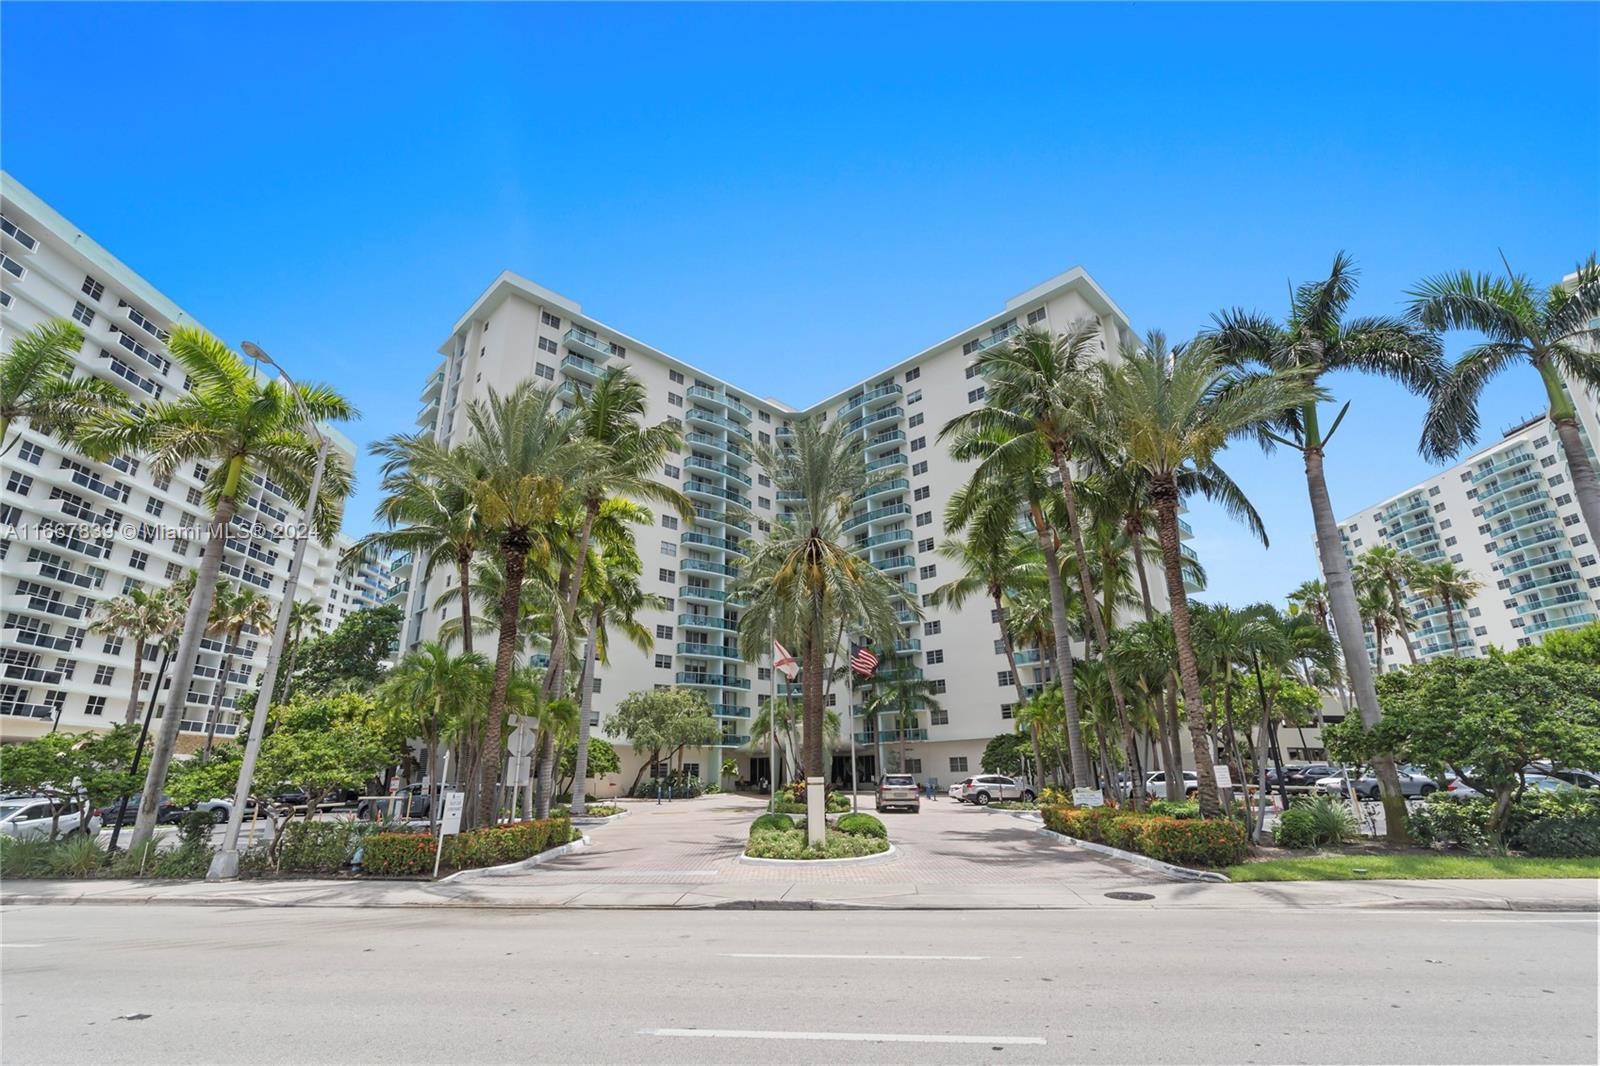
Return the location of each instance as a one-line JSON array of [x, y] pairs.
[[1581, 778], [1308, 775], [899, 790], [418, 798], [24, 816], [1155, 784], [986, 788], [219, 809], [1412, 784], [167, 813], [958, 791]]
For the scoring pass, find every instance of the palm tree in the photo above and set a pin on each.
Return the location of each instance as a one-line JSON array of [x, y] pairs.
[[239, 425], [1316, 341], [527, 463], [1378, 611], [1173, 411], [144, 617], [1554, 331], [1311, 598], [902, 695], [432, 691], [804, 579], [1037, 385], [1395, 572], [1453, 586], [234, 609], [37, 386], [304, 618]]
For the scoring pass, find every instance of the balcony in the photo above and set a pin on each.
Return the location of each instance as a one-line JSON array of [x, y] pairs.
[[894, 460], [707, 621], [582, 366], [883, 440], [707, 651], [1577, 618], [1551, 601], [905, 616], [1532, 518], [429, 412], [698, 463], [1504, 485], [702, 592], [727, 544], [1549, 559], [996, 339], [1425, 522], [1409, 505], [705, 488], [126, 373], [871, 395], [891, 736], [159, 362], [711, 418], [873, 418], [572, 391], [32, 674], [1513, 503], [434, 387], [894, 536], [1520, 457], [586, 344], [1185, 530], [700, 680], [1559, 577], [1028, 656], [899, 673], [735, 740], [1532, 539], [708, 440], [895, 564], [705, 566], [893, 510], [36, 639], [907, 647], [700, 392], [729, 710], [720, 518], [883, 488], [28, 710]]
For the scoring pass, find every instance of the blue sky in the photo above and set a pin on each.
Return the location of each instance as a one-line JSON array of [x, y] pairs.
[[792, 196]]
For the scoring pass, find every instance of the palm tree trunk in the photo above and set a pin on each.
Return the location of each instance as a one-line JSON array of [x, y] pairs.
[[1347, 626], [216, 696], [1405, 631], [132, 714], [1450, 623], [1098, 625], [580, 759], [811, 682], [464, 575], [515, 551], [194, 628], [1165, 494], [1076, 752], [1585, 487]]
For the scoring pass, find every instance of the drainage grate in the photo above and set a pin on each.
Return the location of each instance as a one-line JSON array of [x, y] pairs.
[[1129, 895]]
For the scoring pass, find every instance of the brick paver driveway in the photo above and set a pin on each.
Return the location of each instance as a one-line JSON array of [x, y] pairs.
[[947, 844]]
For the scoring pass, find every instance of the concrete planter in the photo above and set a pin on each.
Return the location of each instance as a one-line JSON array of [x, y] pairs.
[[800, 864], [519, 866], [1182, 873], [598, 820]]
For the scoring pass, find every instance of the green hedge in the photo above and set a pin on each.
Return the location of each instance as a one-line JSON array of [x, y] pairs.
[[862, 825], [411, 854], [1182, 841], [791, 844], [780, 822], [1464, 823]]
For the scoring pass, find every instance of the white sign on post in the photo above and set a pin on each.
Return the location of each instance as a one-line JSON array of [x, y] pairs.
[[1224, 776], [449, 823], [1088, 797]]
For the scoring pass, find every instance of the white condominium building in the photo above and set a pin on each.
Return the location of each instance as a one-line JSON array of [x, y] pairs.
[[518, 330], [55, 566], [341, 588], [1506, 513]]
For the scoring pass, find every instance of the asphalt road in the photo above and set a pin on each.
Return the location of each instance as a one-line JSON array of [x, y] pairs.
[[168, 984]]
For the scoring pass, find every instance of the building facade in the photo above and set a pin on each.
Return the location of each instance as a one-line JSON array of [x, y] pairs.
[[340, 587], [78, 532], [518, 330]]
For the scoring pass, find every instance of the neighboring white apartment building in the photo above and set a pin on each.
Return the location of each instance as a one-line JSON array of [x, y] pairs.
[[1507, 514], [55, 673], [519, 330], [341, 588]]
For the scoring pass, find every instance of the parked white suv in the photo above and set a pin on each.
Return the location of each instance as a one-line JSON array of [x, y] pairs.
[[986, 788], [32, 816], [1155, 784]]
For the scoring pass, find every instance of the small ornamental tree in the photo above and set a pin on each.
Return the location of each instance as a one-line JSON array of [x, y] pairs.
[[1006, 753], [662, 720], [48, 766], [1484, 720], [323, 744], [353, 656], [602, 760]]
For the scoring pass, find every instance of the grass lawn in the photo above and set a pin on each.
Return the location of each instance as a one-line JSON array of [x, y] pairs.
[[1409, 868]]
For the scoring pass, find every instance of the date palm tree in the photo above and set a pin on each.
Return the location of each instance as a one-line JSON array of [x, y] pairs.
[[238, 424], [143, 617], [1174, 411], [804, 579], [432, 691], [527, 463], [1553, 331], [234, 609], [37, 386], [1317, 340], [1396, 572], [1453, 587]]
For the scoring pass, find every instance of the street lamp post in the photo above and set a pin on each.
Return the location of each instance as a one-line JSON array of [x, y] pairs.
[[225, 864]]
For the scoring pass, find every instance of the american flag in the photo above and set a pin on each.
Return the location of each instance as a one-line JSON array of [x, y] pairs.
[[783, 662], [862, 661]]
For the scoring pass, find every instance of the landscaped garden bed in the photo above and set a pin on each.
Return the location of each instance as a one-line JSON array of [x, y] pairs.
[[593, 810], [1191, 842], [850, 836]]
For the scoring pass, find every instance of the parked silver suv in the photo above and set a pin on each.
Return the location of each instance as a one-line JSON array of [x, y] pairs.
[[986, 788], [899, 790]]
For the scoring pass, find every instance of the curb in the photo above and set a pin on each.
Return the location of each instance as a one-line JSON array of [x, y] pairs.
[[857, 860], [1181, 873], [587, 819], [516, 867]]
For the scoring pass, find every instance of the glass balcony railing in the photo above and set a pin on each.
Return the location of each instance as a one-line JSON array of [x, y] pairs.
[[706, 621], [708, 680], [704, 566], [707, 651], [869, 396], [876, 516], [587, 344], [883, 488], [1520, 457], [711, 418], [711, 465]]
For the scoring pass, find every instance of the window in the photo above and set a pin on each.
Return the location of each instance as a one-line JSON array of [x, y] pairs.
[[1571, 520], [663, 662], [1005, 711], [925, 544], [675, 377], [958, 764], [30, 452], [92, 288], [112, 646], [194, 496], [1480, 631], [975, 395], [764, 416], [926, 572], [937, 687], [914, 373], [936, 657], [83, 313], [1035, 317], [669, 521], [764, 481], [153, 507], [669, 576], [95, 705], [1005, 678], [674, 399], [173, 572], [913, 766], [1449, 542], [762, 501], [939, 717], [1473, 612], [921, 493], [972, 371], [669, 549], [1563, 499], [913, 397], [925, 518], [137, 560], [19, 483], [548, 345], [545, 371], [1433, 490], [915, 420], [766, 438], [1548, 460], [1557, 479], [919, 443], [931, 629], [1580, 538], [918, 469], [550, 320], [1585, 560], [104, 675], [671, 471]]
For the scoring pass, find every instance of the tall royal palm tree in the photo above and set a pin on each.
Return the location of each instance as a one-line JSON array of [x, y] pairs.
[[527, 463], [1174, 411], [37, 386], [234, 609], [237, 423], [1315, 341], [432, 691], [804, 579], [1552, 331], [140, 616], [1452, 586], [1396, 572]]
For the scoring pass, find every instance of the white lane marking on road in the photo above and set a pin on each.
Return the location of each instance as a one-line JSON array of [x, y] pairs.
[[21, 945], [869, 1038], [891, 958], [1525, 921]]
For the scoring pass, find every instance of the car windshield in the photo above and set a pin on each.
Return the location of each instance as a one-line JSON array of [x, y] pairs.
[[8, 809], [899, 779]]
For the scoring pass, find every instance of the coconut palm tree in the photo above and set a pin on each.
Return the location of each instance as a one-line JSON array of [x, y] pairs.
[[431, 691], [903, 695], [37, 386], [1396, 572], [1553, 331], [804, 579], [1378, 611], [140, 616], [1453, 587], [238, 424], [1317, 340], [234, 609], [304, 618], [528, 464], [1311, 598], [1173, 411]]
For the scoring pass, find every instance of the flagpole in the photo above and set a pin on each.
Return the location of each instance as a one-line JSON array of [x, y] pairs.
[[851, 725], [772, 730]]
